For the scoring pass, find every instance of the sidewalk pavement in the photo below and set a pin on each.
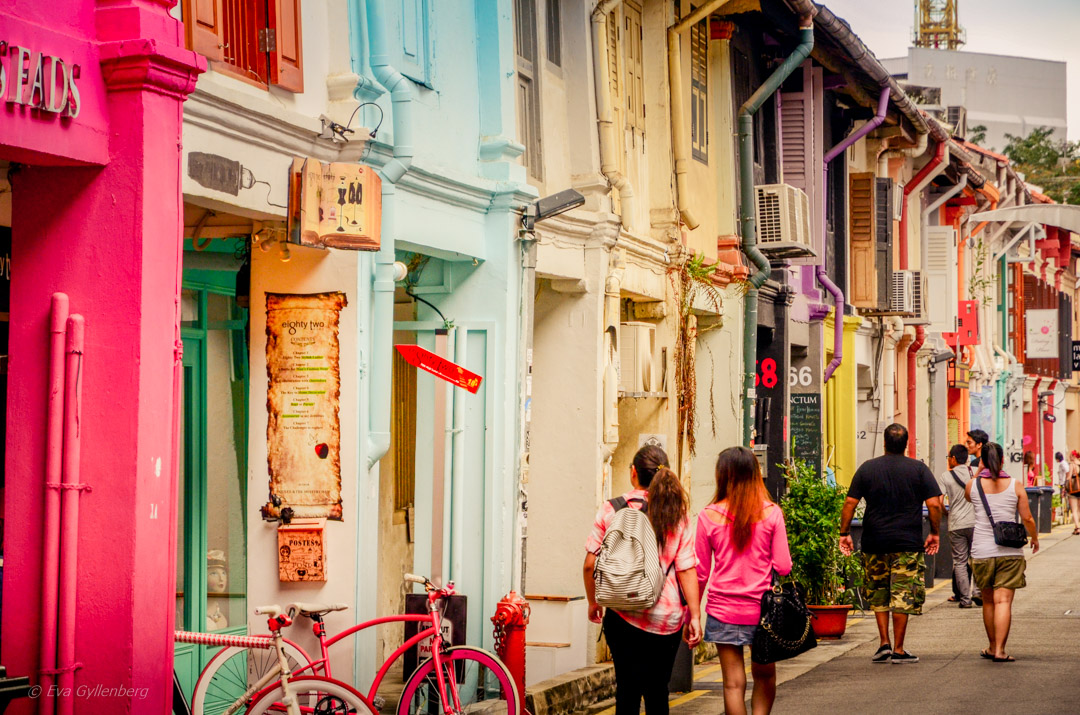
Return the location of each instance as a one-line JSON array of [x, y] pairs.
[[950, 677]]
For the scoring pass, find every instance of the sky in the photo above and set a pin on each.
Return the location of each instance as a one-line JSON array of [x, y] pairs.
[[1042, 29]]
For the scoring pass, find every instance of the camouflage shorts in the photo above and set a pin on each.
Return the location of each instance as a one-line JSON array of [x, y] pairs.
[[896, 582]]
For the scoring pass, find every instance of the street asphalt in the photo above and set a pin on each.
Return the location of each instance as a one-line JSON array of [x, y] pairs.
[[838, 676]]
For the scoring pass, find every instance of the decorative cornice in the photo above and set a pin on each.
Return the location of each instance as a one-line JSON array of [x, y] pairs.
[[146, 65]]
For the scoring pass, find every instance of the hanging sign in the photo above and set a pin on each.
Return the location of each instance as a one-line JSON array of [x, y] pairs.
[[440, 367], [337, 205], [303, 436], [1076, 355], [1042, 332]]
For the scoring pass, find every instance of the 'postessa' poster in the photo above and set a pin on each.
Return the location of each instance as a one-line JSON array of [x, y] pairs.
[[303, 434]]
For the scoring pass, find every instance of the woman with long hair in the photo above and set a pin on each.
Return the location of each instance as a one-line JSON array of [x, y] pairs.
[[998, 570], [1029, 468], [741, 539], [1074, 497], [644, 643]]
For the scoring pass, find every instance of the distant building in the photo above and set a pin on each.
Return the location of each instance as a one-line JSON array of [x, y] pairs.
[[1008, 95]]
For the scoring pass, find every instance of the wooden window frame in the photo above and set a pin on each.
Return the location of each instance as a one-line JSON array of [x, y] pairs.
[[553, 20], [699, 91], [270, 41]]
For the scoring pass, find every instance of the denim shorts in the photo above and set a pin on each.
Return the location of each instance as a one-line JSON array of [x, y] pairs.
[[716, 631]]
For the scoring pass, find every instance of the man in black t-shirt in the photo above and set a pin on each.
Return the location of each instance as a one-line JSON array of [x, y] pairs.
[[895, 487], [975, 441]]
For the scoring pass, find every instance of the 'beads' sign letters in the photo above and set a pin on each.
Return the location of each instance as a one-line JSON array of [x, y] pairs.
[[37, 80]]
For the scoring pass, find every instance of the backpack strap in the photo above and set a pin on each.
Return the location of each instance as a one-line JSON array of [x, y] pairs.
[[618, 503], [958, 480]]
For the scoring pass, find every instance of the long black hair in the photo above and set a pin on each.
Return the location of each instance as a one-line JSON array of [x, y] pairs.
[[668, 504], [992, 458]]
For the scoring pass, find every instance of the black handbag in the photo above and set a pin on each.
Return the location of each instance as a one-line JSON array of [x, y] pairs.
[[1006, 533], [784, 630]]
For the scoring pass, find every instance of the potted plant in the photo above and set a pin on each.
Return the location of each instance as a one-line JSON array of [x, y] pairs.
[[829, 579]]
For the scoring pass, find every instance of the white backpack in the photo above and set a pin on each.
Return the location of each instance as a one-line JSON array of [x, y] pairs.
[[627, 573]]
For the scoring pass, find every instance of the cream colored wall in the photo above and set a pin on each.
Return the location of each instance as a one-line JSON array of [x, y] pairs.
[[309, 271]]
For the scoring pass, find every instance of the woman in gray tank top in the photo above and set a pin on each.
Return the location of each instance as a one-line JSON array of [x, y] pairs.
[[998, 570]]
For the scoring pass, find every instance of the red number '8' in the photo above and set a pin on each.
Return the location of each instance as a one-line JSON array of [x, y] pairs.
[[768, 373]]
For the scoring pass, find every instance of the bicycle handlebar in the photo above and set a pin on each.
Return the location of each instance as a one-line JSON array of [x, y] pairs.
[[273, 611], [413, 578]]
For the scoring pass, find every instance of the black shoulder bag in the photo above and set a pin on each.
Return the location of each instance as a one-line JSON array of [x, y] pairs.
[[1006, 533], [784, 630]]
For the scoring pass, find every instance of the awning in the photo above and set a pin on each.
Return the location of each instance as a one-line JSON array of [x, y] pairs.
[[1063, 216]]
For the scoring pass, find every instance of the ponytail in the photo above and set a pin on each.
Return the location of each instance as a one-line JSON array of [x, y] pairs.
[[992, 455], [667, 505]]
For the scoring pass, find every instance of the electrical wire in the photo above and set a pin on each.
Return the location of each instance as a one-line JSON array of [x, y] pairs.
[[414, 296], [269, 188], [374, 131]]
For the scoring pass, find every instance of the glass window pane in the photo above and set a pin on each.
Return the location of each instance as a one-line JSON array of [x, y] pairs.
[[218, 307], [225, 537], [189, 307]]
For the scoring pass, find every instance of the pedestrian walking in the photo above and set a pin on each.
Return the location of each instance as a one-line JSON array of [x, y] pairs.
[[976, 438], [895, 488], [644, 643], [953, 484], [740, 541], [1061, 476], [999, 570], [1029, 468], [1072, 486]]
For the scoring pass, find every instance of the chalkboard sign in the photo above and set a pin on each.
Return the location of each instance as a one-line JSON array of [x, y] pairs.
[[1076, 355], [806, 428]]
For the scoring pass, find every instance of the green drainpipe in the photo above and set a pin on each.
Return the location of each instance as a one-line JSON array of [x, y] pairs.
[[1003, 379], [746, 210]]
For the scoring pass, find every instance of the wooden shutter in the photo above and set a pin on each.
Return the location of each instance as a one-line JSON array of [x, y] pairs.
[[286, 59], [204, 27], [699, 91], [413, 60], [861, 207], [635, 68], [939, 269], [802, 151], [883, 229]]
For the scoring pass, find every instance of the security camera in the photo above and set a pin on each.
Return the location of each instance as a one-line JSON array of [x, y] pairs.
[[1046, 393]]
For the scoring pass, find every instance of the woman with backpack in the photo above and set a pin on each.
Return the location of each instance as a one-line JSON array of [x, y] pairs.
[[644, 642], [741, 540]]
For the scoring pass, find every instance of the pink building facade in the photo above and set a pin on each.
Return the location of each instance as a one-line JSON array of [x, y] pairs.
[[92, 97]]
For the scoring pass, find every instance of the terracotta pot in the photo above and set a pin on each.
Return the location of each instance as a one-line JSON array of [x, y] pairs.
[[830, 622]]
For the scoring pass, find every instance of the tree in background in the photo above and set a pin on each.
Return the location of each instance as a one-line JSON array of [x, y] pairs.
[[977, 134], [1052, 165]]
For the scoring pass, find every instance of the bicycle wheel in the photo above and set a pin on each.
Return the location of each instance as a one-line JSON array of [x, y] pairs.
[[483, 684], [232, 671], [316, 695]]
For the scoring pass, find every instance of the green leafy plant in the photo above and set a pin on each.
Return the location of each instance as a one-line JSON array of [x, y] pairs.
[[812, 509]]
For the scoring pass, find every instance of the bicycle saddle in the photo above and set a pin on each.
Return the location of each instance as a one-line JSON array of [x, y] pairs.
[[318, 609]]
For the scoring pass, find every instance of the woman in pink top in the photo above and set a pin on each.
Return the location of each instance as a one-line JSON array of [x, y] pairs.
[[740, 541]]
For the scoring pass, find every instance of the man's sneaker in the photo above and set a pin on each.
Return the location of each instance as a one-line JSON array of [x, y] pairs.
[[884, 653], [904, 658]]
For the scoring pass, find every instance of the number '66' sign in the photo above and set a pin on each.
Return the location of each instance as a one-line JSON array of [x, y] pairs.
[[802, 376]]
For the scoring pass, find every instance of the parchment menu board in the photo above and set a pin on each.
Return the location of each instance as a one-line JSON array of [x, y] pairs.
[[303, 435]]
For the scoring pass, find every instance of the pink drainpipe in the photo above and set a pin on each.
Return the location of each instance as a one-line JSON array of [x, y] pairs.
[[54, 456], [819, 270], [69, 515]]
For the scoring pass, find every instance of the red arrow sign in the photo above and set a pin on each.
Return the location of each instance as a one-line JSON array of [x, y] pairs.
[[440, 367]]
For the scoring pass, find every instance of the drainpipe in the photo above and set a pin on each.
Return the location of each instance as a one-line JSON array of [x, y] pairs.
[[746, 208], [54, 455], [913, 349], [924, 224], [609, 165], [382, 333], [678, 121], [819, 270]]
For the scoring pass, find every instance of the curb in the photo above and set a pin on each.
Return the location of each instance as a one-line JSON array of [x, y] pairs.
[[572, 691]]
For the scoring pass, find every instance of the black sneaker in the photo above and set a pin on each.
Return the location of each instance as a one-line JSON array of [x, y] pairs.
[[904, 658], [883, 654]]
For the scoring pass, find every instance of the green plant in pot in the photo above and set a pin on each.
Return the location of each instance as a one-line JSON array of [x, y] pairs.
[[830, 580]]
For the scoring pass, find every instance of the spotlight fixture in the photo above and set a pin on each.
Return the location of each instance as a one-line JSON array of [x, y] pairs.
[[551, 206]]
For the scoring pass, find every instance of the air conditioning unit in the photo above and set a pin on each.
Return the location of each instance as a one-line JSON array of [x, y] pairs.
[[919, 294], [956, 116], [902, 293], [637, 361], [783, 222]]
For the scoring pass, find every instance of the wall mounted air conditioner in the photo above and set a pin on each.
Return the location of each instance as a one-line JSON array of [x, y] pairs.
[[956, 116], [902, 293], [783, 221], [637, 358]]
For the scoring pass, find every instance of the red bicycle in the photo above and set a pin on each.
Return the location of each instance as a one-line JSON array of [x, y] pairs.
[[455, 680]]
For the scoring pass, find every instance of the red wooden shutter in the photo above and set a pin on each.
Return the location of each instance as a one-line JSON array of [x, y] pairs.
[[286, 59], [861, 205], [204, 27]]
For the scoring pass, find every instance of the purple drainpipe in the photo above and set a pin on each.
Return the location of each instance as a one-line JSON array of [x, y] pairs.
[[819, 270]]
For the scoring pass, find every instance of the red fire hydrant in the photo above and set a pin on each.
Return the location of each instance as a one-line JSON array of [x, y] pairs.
[[511, 617]]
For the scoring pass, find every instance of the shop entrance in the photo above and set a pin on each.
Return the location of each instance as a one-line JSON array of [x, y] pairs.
[[211, 562]]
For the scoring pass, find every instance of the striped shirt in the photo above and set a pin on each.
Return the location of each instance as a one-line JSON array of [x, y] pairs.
[[667, 614]]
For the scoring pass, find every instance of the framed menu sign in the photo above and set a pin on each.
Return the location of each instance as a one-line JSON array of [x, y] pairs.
[[303, 435]]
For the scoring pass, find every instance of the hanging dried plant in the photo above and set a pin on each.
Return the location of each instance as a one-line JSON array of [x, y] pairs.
[[692, 283]]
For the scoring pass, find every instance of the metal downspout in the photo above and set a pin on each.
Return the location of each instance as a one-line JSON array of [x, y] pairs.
[[819, 270], [746, 209], [911, 187], [678, 121], [913, 349], [937, 204], [609, 165], [382, 333]]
